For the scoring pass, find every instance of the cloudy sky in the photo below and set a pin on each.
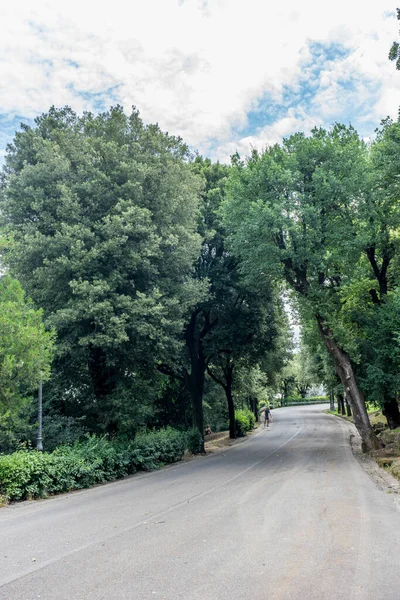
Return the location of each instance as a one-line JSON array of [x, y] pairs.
[[223, 74]]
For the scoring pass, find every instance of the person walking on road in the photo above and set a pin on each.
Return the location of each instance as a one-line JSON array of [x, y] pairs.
[[265, 416]]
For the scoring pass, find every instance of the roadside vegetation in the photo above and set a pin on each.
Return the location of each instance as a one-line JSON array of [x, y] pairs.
[[151, 291], [26, 474], [388, 455]]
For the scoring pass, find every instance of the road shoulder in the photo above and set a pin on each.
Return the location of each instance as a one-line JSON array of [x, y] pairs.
[[379, 475]]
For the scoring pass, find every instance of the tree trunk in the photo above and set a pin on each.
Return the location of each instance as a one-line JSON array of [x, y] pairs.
[[348, 409], [340, 404], [332, 399], [302, 389], [392, 413], [254, 407], [390, 407], [356, 399], [194, 380], [229, 399]]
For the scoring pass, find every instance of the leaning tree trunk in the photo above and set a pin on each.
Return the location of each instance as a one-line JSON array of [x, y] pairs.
[[356, 399]]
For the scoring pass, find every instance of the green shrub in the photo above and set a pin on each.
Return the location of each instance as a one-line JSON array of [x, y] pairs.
[[244, 421], [152, 449], [241, 425], [194, 441], [251, 418], [293, 400], [30, 474]]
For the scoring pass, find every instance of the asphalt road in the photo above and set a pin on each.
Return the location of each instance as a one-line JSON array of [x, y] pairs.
[[288, 514]]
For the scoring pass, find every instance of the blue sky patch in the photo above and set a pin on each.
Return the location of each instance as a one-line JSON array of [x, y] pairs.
[[301, 96]]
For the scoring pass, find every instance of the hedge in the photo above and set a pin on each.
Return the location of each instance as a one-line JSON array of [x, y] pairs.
[[292, 401], [28, 474]]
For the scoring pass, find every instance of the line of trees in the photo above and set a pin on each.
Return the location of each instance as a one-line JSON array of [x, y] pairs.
[[114, 231], [160, 276], [322, 213]]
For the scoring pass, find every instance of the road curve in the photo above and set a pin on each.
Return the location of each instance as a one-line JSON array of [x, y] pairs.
[[287, 515]]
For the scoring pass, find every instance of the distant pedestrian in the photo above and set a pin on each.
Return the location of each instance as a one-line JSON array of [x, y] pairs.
[[265, 416]]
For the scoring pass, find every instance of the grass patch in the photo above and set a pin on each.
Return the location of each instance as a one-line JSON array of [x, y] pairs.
[[371, 412]]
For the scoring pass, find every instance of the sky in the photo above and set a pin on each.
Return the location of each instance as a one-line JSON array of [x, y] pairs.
[[225, 75]]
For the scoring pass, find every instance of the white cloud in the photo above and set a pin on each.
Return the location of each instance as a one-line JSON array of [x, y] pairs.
[[198, 67]]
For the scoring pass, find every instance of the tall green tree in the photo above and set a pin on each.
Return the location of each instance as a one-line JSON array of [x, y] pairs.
[[370, 297], [232, 320], [289, 212], [245, 335], [213, 266], [103, 211], [26, 351], [298, 373]]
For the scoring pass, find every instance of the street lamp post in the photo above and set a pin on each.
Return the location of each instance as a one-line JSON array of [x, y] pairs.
[[39, 443]]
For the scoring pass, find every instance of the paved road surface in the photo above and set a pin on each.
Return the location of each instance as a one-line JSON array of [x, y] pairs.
[[287, 515]]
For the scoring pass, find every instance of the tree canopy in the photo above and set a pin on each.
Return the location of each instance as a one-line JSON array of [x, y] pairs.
[[26, 350], [290, 213], [165, 275], [103, 213]]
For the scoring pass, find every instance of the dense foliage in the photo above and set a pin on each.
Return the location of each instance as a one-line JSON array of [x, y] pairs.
[[103, 216], [115, 231], [161, 283], [31, 474], [244, 421], [319, 212], [25, 354]]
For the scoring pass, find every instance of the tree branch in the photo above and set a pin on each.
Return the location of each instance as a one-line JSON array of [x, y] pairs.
[[167, 370], [215, 378]]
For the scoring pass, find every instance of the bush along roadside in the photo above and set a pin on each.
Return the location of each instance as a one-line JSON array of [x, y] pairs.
[[244, 422], [294, 401], [28, 474]]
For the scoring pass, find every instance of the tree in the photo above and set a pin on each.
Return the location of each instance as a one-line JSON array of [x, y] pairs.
[[253, 385], [212, 265], [368, 296], [298, 374], [103, 213], [394, 53], [320, 363], [232, 319], [26, 350], [288, 211], [380, 218], [245, 334]]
